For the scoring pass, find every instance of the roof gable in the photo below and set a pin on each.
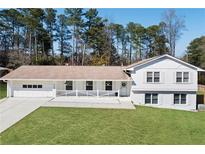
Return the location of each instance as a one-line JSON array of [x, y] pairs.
[[150, 60]]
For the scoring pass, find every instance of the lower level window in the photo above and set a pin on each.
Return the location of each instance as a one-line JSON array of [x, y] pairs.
[[179, 98], [151, 98]]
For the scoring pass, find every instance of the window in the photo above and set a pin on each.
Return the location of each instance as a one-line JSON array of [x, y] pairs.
[[186, 77], [24, 86], [153, 77], [147, 98], [108, 85], [179, 98], [31, 86], [176, 99], [151, 98], [183, 98], [179, 76], [149, 76], [34, 86], [40, 86], [69, 85], [182, 75], [156, 76], [89, 85], [154, 98]]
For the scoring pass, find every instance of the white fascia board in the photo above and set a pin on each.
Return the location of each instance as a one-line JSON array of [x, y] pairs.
[[166, 55]]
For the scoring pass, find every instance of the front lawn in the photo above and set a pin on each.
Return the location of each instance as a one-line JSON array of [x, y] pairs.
[[2, 90], [105, 126]]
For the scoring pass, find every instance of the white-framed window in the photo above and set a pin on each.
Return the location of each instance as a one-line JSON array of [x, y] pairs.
[[153, 77], [182, 77], [108, 85], [89, 85], [151, 98], [69, 85], [180, 98]]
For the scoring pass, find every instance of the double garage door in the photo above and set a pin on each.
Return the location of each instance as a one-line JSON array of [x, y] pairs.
[[33, 90], [32, 93]]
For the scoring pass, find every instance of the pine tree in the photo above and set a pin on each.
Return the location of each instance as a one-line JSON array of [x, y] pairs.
[[75, 20], [50, 21], [63, 36]]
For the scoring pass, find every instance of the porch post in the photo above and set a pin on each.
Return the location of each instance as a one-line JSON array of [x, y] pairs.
[[118, 93], [76, 92], [97, 93]]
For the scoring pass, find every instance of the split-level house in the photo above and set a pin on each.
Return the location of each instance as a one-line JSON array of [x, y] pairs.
[[162, 81]]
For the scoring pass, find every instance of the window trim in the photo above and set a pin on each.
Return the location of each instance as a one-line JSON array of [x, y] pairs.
[[180, 99], [67, 85], [153, 77], [108, 86], [88, 86], [149, 77], [182, 77], [151, 98]]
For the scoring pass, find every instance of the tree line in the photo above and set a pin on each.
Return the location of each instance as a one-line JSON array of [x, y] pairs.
[[81, 37]]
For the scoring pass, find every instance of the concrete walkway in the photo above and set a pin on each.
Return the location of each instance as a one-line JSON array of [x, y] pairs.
[[91, 102], [14, 109]]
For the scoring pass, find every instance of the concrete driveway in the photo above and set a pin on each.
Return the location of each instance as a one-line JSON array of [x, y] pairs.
[[14, 109]]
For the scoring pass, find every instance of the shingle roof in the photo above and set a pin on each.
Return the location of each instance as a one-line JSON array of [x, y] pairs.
[[141, 62], [68, 72]]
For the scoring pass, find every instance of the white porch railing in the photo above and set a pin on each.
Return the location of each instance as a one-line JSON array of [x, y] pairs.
[[98, 93]]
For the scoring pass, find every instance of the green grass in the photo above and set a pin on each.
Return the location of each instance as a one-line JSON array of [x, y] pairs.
[[2, 90], [106, 126]]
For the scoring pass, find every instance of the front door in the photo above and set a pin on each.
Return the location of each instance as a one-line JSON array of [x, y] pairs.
[[123, 89]]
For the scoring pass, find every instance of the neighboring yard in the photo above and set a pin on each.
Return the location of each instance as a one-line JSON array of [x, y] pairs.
[[106, 126], [2, 90]]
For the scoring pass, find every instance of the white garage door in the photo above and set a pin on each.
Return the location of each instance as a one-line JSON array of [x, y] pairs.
[[33, 90], [31, 93]]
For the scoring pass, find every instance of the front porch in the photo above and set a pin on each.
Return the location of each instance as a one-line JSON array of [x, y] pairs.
[[91, 102], [93, 88], [97, 93]]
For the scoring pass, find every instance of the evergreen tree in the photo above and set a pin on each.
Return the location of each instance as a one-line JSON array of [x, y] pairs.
[[75, 20], [63, 36], [50, 21]]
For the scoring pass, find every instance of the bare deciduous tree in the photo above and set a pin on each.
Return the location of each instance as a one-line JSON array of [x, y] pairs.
[[173, 27]]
